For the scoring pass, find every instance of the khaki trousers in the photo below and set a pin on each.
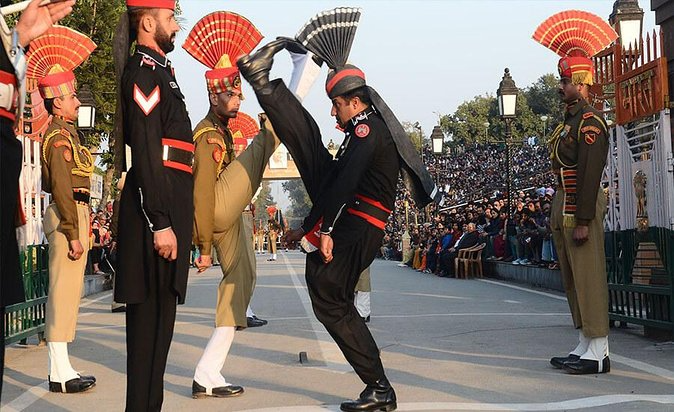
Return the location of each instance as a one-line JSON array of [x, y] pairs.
[[272, 242], [234, 190], [66, 277], [363, 284], [583, 269]]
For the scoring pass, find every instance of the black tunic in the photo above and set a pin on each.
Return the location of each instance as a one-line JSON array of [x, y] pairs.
[[11, 285], [154, 196]]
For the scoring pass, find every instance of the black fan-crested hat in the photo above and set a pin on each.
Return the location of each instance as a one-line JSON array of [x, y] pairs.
[[329, 35]]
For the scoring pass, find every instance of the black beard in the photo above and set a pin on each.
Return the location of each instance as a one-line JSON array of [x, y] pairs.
[[164, 41]]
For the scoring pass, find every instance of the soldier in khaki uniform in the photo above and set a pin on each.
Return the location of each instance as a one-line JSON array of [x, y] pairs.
[[273, 229], [66, 170], [223, 187], [578, 149]]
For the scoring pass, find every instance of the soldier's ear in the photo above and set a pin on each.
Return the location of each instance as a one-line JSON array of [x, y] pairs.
[[213, 98]]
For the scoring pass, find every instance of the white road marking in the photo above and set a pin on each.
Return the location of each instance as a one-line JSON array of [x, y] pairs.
[[27, 398], [329, 351], [512, 301], [642, 366], [537, 292], [568, 405]]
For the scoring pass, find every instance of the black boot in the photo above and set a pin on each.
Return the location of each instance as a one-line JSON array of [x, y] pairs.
[[377, 397], [559, 361], [255, 69]]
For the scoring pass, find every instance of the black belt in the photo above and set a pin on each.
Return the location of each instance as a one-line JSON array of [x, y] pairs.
[[370, 210], [180, 156], [81, 197]]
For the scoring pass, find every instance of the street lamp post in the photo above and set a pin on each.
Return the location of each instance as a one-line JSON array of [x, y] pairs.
[[486, 129], [627, 19], [507, 103], [421, 141], [86, 116], [544, 118]]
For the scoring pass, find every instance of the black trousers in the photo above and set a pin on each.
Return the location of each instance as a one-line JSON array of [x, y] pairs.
[[2, 347], [331, 286], [149, 330]]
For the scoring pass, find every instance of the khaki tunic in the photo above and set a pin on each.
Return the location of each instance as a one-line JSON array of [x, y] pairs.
[[66, 169], [221, 192], [363, 284], [578, 152]]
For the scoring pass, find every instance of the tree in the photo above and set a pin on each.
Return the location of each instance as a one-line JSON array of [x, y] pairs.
[[467, 124], [264, 199], [543, 98], [97, 19], [300, 204], [416, 135]]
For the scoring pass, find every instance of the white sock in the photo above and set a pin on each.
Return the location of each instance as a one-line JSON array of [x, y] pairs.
[[362, 302], [273, 256], [207, 373], [60, 369], [249, 312], [597, 350], [583, 342]]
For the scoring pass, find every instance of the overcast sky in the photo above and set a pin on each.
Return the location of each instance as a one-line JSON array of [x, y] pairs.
[[423, 57]]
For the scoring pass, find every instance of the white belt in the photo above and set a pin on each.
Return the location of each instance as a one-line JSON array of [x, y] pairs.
[[7, 96]]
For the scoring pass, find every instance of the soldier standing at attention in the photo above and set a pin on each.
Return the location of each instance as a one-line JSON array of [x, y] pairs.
[[155, 213], [34, 21], [66, 171], [578, 150], [223, 188]]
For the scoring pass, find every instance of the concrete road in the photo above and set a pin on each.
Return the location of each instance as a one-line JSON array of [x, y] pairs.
[[447, 345]]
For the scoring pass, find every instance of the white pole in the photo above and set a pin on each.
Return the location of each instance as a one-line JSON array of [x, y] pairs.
[[19, 7]]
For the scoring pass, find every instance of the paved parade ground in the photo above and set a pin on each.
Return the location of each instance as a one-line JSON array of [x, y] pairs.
[[447, 345]]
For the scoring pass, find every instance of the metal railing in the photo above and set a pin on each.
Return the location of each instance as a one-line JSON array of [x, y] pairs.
[[26, 319]]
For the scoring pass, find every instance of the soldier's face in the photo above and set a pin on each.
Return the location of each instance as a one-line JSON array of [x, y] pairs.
[[67, 106], [343, 110], [568, 91], [227, 104], [166, 29]]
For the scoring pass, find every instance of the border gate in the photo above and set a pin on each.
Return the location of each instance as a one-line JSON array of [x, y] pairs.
[[639, 181]]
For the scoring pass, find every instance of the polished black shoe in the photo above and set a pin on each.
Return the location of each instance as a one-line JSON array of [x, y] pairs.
[[118, 309], [76, 385], [377, 397], [199, 391], [254, 321], [255, 69], [587, 367], [87, 377], [367, 319], [559, 361]]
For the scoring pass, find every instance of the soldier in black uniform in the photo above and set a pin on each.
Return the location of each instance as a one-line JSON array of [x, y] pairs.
[[155, 222], [352, 198], [34, 21]]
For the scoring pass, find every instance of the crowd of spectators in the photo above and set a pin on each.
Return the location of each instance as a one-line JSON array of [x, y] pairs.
[[474, 210], [101, 240]]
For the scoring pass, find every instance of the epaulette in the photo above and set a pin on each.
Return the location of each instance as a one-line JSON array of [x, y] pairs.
[[148, 63], [203, 131]]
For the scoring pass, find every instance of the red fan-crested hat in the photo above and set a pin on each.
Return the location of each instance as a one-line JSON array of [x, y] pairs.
[[576, 36], [153, 4], [52, 58], [217, 41], [243, 127]]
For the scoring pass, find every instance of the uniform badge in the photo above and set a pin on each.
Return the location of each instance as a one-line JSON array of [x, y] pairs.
[[588, 115], [362, 131], [146, 103], [68, 156], [217, 154], [237, 82], [590, 138], [146, 61]]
